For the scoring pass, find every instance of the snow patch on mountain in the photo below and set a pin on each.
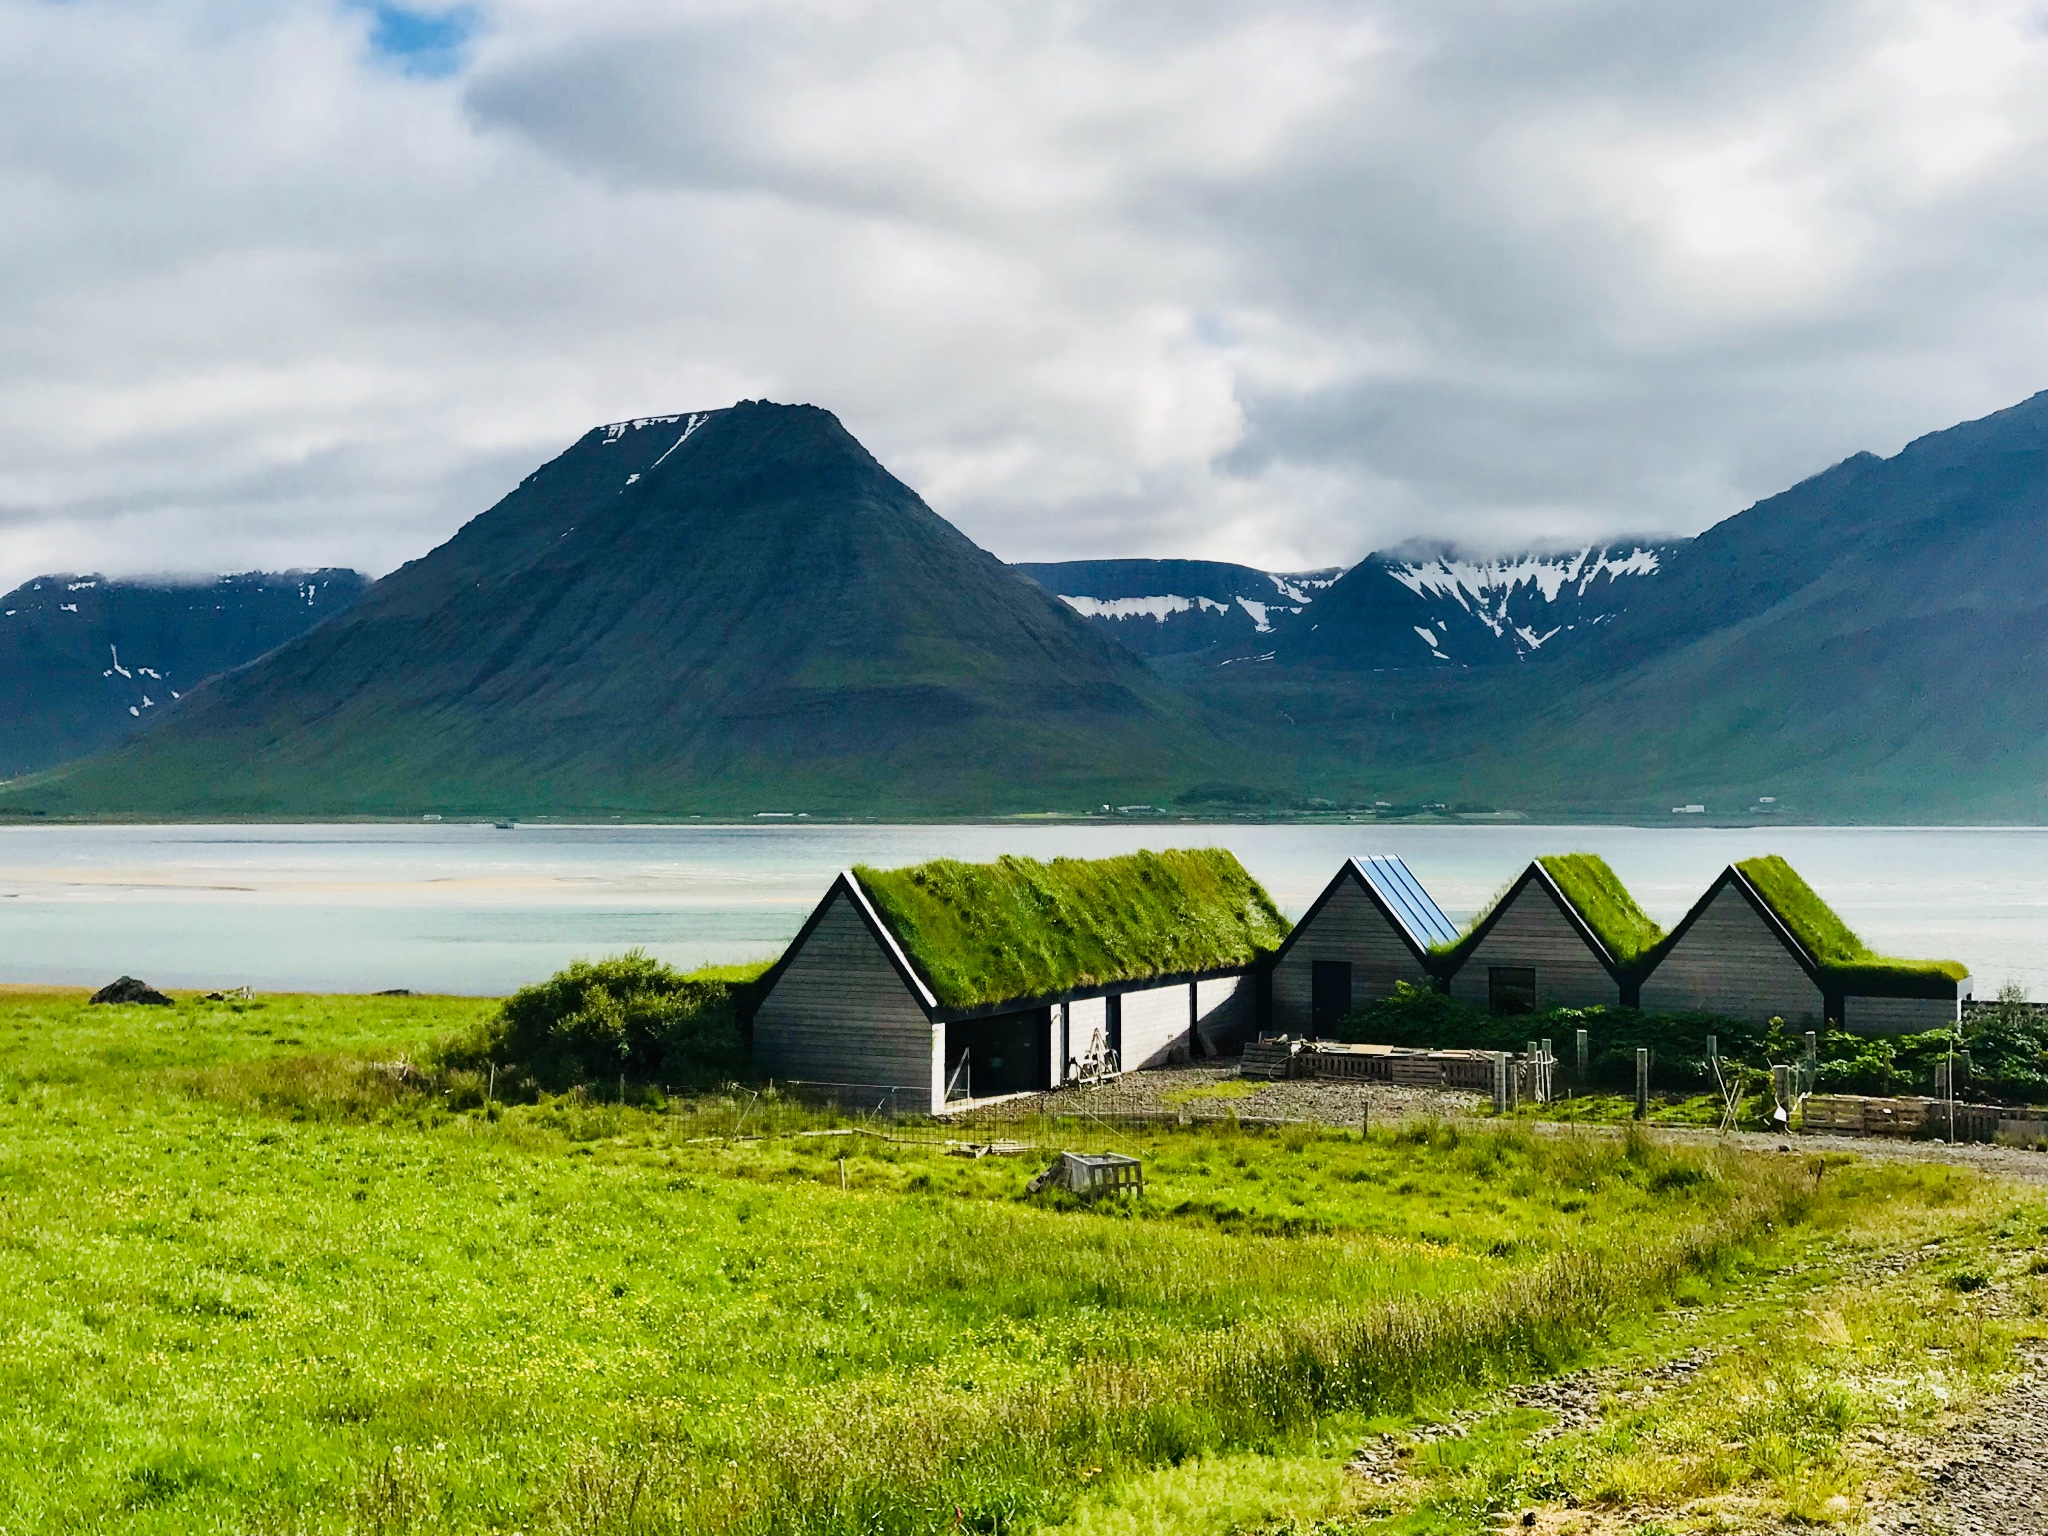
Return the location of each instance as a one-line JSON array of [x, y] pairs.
[[1483, 588], [1159, 608], [1528, 600], [1302, 586]]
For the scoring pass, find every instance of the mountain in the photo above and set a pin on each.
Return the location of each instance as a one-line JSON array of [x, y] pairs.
[[1433, 605], [85, 661], [1179, 607], [725, 611], [1870, 645], [1422, 605], [741, 611]]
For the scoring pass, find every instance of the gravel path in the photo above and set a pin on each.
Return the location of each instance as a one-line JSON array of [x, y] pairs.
[[1990, 1478], [1192, 1092], [2003, 1162]]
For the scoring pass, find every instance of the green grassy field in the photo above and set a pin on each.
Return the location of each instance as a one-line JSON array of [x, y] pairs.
[[261, 1272]]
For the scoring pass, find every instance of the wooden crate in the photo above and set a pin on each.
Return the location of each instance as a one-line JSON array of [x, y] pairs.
[[1470, 1070], [1348, 1066], [1837, 1114], [1090, 1174]]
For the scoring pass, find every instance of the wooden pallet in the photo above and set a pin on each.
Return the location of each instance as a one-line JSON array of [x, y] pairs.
[[1269, 1060]]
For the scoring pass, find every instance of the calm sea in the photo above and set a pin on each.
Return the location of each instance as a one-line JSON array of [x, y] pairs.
[[476, 909]]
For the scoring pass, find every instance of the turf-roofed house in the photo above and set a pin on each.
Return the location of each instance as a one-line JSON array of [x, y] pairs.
[[1762, 944], [1374, 925], [948, 981], [1565, 934]]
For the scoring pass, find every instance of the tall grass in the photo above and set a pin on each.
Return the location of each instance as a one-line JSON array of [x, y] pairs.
[[998, 1461]]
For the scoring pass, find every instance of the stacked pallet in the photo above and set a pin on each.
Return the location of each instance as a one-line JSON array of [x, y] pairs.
[[1270, 1060], [1850, 1114]]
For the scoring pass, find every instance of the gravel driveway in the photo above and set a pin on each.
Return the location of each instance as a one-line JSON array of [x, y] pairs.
[[1214, 1091]]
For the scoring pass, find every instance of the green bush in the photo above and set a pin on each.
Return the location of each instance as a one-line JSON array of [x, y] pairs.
[[627, 1016], [2008, 1046]]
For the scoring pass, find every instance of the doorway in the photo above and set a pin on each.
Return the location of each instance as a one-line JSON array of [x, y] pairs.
[[1329, 983], [1006, 1053]]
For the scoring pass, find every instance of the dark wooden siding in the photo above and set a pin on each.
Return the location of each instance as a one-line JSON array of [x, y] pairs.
[[1729, 961], [1532, 930], [1348, 927], [841, 1014]]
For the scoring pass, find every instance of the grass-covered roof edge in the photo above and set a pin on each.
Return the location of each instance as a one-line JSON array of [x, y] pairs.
[[1015, 929], [1592, 893], [1605, 905], [1834, 949]]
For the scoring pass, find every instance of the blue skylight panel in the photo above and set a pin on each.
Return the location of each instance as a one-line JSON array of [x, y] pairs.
[[1414, 907]]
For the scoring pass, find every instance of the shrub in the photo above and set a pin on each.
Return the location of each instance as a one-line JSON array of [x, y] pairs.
[[2008, 1045], [628, 1016]]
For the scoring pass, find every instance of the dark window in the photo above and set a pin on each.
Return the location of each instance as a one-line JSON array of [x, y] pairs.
[[1329, 994], [1113, 1026], [1511, 988]]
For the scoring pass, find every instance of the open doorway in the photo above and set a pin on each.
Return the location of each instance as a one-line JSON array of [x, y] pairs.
[[1007, 1053]]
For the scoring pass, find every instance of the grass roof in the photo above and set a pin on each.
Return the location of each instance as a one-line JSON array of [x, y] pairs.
[[1591, 886], [1831, 942], [1018, 928], [1600, 898]]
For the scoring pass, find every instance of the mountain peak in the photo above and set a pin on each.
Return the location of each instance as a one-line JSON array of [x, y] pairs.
[[675, 612]]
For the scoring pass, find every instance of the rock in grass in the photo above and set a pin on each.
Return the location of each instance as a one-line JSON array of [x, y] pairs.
[[128, 990]]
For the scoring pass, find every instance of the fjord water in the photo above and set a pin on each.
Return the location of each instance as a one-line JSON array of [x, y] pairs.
[[479, 909]]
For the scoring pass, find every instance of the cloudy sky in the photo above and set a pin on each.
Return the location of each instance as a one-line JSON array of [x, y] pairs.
[[285, 282]]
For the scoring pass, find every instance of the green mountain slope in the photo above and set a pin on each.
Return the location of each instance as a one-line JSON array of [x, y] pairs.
[[86, 661], [1871, 645], [726, 612]]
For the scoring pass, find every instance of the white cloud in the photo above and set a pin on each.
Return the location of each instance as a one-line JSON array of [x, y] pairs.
[[1277, 282]]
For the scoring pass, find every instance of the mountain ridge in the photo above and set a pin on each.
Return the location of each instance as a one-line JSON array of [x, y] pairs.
[[740, 610], [675, 613], [86, 659]]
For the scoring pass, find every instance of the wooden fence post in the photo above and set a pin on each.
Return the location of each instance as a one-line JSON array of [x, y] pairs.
[[1642, 1083]]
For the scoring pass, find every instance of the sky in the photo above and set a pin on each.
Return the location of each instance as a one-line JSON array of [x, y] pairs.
[[307, 282]]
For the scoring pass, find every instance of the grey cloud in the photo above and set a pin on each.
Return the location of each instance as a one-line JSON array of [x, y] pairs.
[[1270, 282]]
